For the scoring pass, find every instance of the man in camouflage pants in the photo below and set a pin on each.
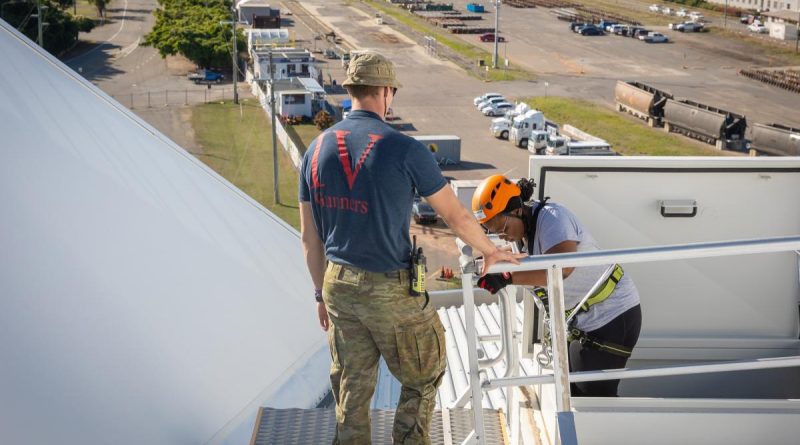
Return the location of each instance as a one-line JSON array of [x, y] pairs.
[[356, 189]]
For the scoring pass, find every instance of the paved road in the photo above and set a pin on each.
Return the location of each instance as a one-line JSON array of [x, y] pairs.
[[118, 63], [114, 59]]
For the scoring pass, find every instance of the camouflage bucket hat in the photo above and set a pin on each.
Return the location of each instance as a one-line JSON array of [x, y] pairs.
[[372, 69]]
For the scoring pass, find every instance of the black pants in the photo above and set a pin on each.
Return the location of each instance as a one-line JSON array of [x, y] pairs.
[[623, 330]]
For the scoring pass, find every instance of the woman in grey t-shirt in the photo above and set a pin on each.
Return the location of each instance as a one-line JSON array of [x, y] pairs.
[[609, 326]]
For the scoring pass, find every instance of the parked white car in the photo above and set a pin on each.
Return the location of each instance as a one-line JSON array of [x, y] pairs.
[[485, 97], [667, 10], [498, 109], [654, 37], [492, 101], [757, 27], [696, 16], [655, 8], [686, 26], [682, 13], [616, 28]]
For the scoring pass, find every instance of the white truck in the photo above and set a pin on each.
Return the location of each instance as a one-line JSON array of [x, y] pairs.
[[540, 140], [501, 126], [578, 148], [523, 125]]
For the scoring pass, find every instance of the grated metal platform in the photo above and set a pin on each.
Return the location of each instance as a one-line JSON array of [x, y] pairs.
[[317, 426]]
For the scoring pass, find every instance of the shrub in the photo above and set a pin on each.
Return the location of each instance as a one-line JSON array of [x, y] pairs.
[[323, 120]]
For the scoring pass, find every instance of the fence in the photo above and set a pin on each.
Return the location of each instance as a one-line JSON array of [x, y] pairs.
[[167, 98], [282, 136]]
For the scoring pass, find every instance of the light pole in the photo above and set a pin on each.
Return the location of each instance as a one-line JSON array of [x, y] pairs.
[[496, 31], [234, 55], [277, 196]]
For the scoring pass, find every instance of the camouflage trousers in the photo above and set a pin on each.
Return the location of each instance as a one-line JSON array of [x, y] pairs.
[[371, 316]]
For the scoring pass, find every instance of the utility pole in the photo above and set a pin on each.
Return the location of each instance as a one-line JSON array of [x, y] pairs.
[[277, 197], [40, 24], [496, 31], [235, 58], [234, 55], [797, 40], [725, 23]]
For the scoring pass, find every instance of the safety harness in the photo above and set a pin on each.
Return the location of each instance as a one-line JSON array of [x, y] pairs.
[[575, 334], [600, 295]]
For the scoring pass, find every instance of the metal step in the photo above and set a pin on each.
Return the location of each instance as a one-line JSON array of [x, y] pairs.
[[317, 426]]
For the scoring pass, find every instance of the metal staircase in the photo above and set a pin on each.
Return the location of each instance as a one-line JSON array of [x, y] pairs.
[[317, 426]]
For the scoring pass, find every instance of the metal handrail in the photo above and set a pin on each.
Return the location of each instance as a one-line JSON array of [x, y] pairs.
[[648, 254], [555, 287], [662, 371]]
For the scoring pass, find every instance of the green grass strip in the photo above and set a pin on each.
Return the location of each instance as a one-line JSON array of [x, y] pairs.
[[625, 136], [236, 143]]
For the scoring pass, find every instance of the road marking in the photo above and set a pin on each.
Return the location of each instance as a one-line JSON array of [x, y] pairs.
[[121, 27], [128, 49]]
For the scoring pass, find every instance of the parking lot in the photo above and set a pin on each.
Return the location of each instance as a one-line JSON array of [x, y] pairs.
[[700, 66], [436, 97]]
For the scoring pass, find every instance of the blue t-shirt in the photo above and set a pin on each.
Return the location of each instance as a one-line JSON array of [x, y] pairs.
[[360, 176]]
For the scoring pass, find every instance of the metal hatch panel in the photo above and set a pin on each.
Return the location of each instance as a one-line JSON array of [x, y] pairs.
[[737, 304]]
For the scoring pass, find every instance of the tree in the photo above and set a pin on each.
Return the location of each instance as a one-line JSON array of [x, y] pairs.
[[323, 120], [194, 30], [62, 29], [101, 7]]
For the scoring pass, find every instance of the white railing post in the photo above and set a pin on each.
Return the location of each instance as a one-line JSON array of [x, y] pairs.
[[558, 332], [476, 393]]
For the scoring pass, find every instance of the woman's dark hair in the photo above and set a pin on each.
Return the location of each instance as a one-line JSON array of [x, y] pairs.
[[526, 188]]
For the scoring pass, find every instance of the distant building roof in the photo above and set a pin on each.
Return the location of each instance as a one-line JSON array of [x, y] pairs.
[[291, 91], [786, 16], [253, 3], [311, 84], [257, 38]]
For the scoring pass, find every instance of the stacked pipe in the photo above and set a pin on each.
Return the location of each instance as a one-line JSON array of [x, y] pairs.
[[541, 3], [519, 3], [471, 30], [598, 15], [786, 79]]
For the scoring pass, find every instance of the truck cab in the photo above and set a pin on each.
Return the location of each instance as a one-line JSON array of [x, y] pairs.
[[524, 125], [501, 126]]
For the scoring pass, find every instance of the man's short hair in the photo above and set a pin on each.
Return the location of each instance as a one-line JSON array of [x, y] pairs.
[[363, 91]]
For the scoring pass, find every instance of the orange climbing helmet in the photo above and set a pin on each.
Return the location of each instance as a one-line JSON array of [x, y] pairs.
[[495, 195]]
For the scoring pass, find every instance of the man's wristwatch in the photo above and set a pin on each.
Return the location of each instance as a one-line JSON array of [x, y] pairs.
[[318, 295]]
